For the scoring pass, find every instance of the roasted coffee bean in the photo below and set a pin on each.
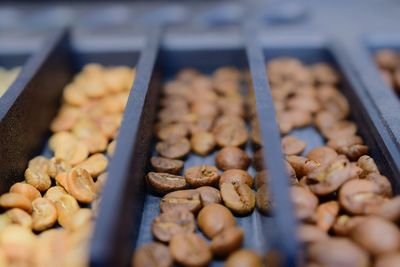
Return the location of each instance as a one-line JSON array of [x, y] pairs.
[[209, 195], [344, 224], [385, 188], [262, 177], [359, 196], [152, 254], [165, 182], [263, 200], [377, 236], [215, 218], [341, 129], [338, 143], [387, 59], [335, 251], [305, 202], [232, 158], [292, 145], [326, 214], [388, 260], [173, 149], [164, 165], [353, 152], [190, 250], [230, 135], [203, 143], [236, 176], [173, 222], [244, 257], [202, 175], [26, 190], [173, 131], [368, 165], [238, 197], [389, 210], [227, 241], [258, 159], [309, 234], [181, 199], [323, 155], [302, 165]]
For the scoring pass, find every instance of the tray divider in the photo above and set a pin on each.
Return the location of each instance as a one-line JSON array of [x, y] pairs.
[[272, 152], [124, 195]]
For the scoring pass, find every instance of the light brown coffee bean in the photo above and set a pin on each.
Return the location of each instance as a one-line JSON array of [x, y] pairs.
[[324, 155], [232, 158], [335, 251], [54, 193], [73, 152], [244, 257], [377, 236], [227, 241], [14, 200], [305, 202], [214, 218], [341, 129], [111, 148], [236, 176], [348, 141], [39, 163], [368, 165], [172, 222], [44, 214], [386, 59], [344, 224], [37, 178], [324, 74], [151, 255], [57, 166], [230, 135], [353, 152], [309, 234], [81, 185], [202, 175], [383, 183], [263, 200], [26, 190], [326, 214], [389, 210], [203, 143], [292, 145], [209, 195], [358, 196], [302, 165], [173, 149], [95, 164], [164, 165], [165, 182], [388, 260], [172, 131], [19, 216], [66, 206], [79, 220], [190, 250], [181, 199], [238, 197]]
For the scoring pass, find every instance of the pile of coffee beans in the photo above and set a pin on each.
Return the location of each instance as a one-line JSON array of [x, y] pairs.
[[200, 114], [388, 61], [348, 214], [7, 77], [48, 216]]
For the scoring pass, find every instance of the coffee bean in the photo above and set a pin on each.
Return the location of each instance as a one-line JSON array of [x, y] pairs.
[[238, 197], [203, 143], [214, 218], [309, 234], [236, 176], [230, 135], [152, 254], [232, 158], [264, 200], [173, 222], [302, 165], [326, 214], [305, 202], [209, 195], [243, 257], [190, 250], [164, 165], [389, 210], [202, 175], [292, 145], [227, 241], [383, 183], [165, 182], [323, 155], [173, 149], [388, 260], [368, 165], [181, 199], [344, 224]]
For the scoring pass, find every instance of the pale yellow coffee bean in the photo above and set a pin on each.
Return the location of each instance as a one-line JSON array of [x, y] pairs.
[[20, 217], [25, 189], [14, 200], [95, 164], [38, 179], [73, 96], [4, 221], [60, 138], [66, 206], [73, 153], [54, 193], [57, 166], [39, 163], [18, 243], [61, 180], [44, 214], [50, 248], [79, 219], [111, 148], [81, 185]]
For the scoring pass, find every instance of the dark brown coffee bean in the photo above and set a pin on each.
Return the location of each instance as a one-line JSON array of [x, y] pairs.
[[238, 197], [308, 234], [190, 250], [305, 203], [173, 149], [359, 196], [242, 258], [236, 176], [324, 155], [344, 224], [383, 183], [165, 182], [326, 214], [202, 175], [214, 218], [173, 222], [388, 260], [377, 236], [164, 165], [202, 143], [263, 200], [230, 135], [152, 254], [258, 160], [181, 199], [209, 195], [335, 251], [232, 158], [227, 241], [173, 131], [292, 145], [301, 165], [368, 165]]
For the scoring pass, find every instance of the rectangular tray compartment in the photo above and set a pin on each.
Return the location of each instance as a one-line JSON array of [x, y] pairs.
[[381, 148]]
